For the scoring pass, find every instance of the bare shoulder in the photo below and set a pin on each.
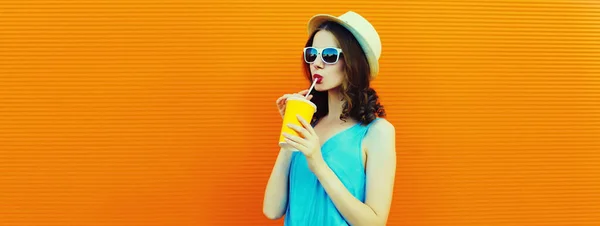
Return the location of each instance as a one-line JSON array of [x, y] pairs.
[[381, 134], [382, 125], [381, 129]]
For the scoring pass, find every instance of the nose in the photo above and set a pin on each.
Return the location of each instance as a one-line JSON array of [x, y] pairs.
[[318, 63]]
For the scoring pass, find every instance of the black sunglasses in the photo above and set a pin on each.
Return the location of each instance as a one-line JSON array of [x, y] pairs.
[[329, 55]]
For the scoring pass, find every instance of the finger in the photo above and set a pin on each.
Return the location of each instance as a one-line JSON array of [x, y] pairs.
[[296, 139], [281, 98], [300, 130], [296, 145], [309, 97], [306, 125], [284, 98]]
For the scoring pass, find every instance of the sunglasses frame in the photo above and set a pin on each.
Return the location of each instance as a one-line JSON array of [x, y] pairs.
[[319, 51]]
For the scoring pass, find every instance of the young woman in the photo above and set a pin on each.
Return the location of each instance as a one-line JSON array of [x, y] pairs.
[[343, 173]]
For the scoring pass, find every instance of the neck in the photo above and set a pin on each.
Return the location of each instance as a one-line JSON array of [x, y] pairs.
[[335, 104]]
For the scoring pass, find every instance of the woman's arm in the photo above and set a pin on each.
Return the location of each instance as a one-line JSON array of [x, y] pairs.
[[276, 192], [381, 170]]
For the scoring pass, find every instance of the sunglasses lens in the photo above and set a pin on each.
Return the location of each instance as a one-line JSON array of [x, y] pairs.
[[330, 55], [310, 55]]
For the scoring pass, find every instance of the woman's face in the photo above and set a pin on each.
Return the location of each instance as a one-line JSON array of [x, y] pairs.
[[332, 74]]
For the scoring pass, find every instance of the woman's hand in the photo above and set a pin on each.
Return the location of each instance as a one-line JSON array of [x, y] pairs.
[[308, 144], [281, 102]]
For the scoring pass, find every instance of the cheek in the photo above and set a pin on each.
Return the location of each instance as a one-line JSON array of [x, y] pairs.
[[339, 71]]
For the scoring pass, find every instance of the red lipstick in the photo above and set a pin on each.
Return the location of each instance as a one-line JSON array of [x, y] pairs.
[[318, 77]]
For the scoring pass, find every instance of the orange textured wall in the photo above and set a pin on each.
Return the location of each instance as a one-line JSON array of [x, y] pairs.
[[162, 112]]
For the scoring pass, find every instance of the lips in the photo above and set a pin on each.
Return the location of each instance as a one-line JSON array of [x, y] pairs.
[[318, 77]]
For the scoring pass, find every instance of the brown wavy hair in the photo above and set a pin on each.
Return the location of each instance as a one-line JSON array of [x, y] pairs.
[[361, 102]]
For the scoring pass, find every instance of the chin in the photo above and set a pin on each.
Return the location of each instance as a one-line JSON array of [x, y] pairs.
[[321, 88], [326, 87]]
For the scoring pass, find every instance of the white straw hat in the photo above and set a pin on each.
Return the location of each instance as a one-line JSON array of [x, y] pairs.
[[362, 30]]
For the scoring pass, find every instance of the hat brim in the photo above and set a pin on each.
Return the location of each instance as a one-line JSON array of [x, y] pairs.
[[317, 20]]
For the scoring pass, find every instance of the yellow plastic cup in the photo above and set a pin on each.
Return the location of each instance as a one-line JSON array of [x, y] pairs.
[[296, 105]]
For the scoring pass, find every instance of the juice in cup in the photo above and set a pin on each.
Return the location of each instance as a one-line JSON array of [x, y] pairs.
[[296, 105]]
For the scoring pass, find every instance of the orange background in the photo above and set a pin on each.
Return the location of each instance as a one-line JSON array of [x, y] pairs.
[[163, 112]]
